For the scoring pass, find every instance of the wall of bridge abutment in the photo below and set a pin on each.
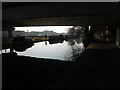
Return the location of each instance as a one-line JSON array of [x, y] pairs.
[[10, 29], [8, 41]]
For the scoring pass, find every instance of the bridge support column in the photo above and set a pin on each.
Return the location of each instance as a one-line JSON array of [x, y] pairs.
[[10, 36], [118, 37]]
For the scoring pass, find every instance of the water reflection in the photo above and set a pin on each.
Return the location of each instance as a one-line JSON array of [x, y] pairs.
[[55, 48], [56, 39], [77, 48], [22, 47], [55, 42], [45, 42], [21, 43], [65, 50]]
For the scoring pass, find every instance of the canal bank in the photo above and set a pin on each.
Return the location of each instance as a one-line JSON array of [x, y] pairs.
[[97, 67], [22, 72]]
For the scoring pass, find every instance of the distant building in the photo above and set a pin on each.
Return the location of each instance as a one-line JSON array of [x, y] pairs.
[[34, 33], [19, 33]]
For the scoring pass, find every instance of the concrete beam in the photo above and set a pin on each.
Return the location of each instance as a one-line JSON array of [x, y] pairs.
[[8, 28], [79, 20]]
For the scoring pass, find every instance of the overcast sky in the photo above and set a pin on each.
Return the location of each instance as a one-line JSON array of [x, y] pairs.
[[58, 29]]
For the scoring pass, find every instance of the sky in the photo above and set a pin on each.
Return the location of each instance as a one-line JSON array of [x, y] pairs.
[[58, 29]]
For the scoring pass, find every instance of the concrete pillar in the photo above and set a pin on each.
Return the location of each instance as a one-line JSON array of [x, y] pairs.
[[10, 36], [9, 29], [118, 37]]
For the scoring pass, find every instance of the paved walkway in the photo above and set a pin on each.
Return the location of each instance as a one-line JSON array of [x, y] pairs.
[[102, 46], [97, 67]]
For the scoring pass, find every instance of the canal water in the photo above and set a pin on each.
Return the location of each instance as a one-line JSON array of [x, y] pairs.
[[67, 50]]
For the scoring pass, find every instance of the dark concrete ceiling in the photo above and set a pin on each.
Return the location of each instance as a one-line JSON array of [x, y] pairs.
[[82, 13], [82, 20]]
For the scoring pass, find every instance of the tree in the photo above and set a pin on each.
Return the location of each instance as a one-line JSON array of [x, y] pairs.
[[75, 31]]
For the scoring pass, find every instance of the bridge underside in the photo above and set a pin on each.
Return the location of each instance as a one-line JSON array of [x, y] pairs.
[[60, 14], [83, 13], [78, 20]]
